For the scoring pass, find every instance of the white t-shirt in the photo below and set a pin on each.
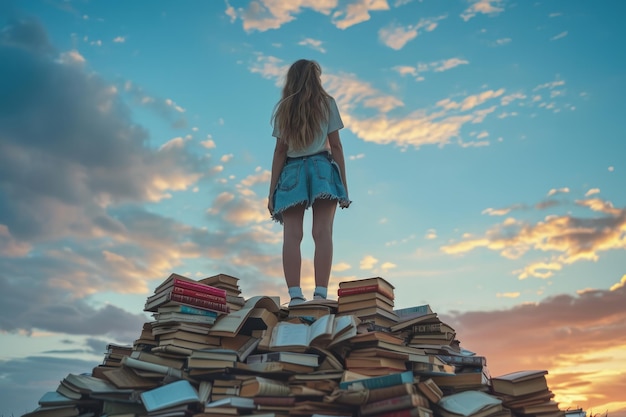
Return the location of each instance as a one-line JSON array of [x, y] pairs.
[[320, 143]]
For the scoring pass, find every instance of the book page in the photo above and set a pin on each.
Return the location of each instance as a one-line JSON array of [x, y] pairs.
[[321, 327], [290, 334]]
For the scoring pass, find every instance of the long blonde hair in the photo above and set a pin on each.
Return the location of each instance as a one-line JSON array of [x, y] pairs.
[[303, 106]]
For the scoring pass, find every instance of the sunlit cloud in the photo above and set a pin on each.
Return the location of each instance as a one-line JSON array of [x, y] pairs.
[[396, 36], [570, 239], [620, 284], [265, 15], [119, 39], [356, 11], [313, 44], [554, 191], [488, 7], [508, 295], [368, 262], [341, 267], [435, 66]]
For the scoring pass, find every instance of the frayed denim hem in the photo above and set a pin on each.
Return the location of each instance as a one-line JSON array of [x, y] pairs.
[[277, 216]]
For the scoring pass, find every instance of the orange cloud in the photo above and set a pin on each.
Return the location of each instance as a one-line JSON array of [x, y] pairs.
[[580, 340]]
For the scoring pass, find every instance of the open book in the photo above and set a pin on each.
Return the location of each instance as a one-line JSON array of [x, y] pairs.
[[328, 330]]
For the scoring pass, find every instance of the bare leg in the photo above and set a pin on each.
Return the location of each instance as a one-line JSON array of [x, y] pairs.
[[323, 217], [292, 237]]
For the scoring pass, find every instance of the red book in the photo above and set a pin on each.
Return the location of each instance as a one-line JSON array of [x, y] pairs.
[[155, 301], [199, 302], [176, 280], [364, 289], [199, 294]]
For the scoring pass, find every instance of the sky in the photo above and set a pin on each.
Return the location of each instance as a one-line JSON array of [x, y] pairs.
[[484, 144]]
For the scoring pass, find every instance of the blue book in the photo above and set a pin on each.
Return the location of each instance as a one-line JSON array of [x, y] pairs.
[[379, 381], [170, 395], [185, 309]]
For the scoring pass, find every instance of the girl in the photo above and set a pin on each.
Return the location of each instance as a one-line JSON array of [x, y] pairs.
[[308, 170]]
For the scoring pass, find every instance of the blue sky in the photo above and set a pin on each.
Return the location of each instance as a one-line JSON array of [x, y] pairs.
[[485, 158]]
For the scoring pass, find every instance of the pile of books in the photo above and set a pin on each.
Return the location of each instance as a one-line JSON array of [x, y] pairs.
[[323, 358], [370, 299]]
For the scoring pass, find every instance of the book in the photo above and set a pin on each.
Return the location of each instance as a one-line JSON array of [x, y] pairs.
[[125, 377], [462, 380], [88, 385], [154, 302], [374, 362], [407, 323], [376, 284], [261, 386], [308, 359], [365, 304], [412, 312], [185, 309], [176, 393], [184, 282], [259, 312], [152, 367], [409, 412], [367, 338], [544, 407], [243, 345], [394, 403], [54, 411], [220, 280], [234, 402], [276, 367], [379, 394], [460, 360], [205, 363], [520, 383], [327, 330], [468, 403], [215, 354], [430, 389], [196, 294], [174, 317], [379, 381], [364, 296]]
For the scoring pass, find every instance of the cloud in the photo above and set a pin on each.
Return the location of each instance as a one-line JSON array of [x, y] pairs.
[[397, 36], [368, 262], [313, 44], [586, 332], [488, 7], [438, 125], [263, 15], [435, 66], [568, 238], [559, 36]]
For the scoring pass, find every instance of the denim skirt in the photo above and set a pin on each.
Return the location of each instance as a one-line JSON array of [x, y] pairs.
[[305, 179]]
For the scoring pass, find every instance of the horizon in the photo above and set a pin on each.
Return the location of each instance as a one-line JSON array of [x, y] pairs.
[[484, 155]]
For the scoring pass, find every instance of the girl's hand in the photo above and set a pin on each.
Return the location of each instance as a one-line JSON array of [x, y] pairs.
[[270, 204]]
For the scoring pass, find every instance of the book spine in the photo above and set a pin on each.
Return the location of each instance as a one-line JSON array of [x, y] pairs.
[[381, 381], [364, 289], [275, 401], [199, 294], [409, 412], [199, 287], [392, 404], [199, 302], [197, 311], [390, 392]]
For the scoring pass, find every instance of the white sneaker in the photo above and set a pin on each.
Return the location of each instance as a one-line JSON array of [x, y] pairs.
[[318, 297]]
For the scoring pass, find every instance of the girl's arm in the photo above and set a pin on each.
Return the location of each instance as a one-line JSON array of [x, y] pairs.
[[278, 161], [337, 151]]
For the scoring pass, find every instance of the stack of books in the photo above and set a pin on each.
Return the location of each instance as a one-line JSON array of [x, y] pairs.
[[370, 299], [263, 360], [178, 290], [230, 284], [526, 393]]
